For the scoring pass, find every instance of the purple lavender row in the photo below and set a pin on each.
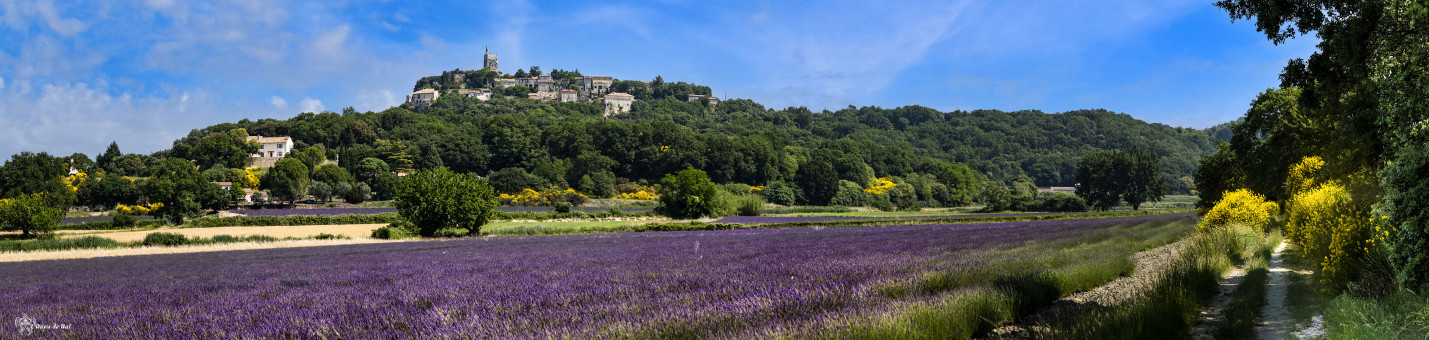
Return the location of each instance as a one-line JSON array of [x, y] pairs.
[[797, 219], [656, 284], [370, 211]]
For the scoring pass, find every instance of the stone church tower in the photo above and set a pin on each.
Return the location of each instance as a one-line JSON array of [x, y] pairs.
[[490, 62]]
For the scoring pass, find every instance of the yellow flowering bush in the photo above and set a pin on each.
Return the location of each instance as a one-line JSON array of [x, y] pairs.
[[248, 179], [1242, 207], [632, 191], [1329, 228], [137, 209], [530, 197], [73, 181], [756, 189], [880, 186]]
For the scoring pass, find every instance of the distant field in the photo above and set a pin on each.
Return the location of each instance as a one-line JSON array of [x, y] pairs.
[[351, 230], [798, 282]]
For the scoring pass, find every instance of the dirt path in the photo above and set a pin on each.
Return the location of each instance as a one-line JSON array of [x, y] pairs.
[[1276, 322], [1211, 317]]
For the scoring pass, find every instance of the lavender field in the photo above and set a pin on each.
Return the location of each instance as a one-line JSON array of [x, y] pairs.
[[372, 211], [724, 284], [798, 219]]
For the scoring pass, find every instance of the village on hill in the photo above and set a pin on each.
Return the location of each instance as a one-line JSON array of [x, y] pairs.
[[537, 86]]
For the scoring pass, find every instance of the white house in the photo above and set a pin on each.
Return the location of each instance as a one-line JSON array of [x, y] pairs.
[[479, 94], [270, 150], [505, 82], [617, 103], [275, 147], [423, 97], [567, 95]]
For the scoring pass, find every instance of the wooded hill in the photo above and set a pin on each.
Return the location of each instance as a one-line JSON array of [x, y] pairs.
[[735, 141]]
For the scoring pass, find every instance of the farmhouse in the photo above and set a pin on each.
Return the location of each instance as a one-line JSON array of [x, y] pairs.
[[1069, 190], [479, 94], [270, 150], [617, 103], [567, 95], [423, 97]]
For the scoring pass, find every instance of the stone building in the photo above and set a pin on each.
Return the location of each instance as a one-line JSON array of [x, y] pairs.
[[270, 150], [489, 62], [618, 103], [423, 97]]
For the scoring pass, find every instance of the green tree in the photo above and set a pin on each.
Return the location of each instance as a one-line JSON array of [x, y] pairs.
[[371, 168], [230, 149], [384, 187], [818, 180], [106, 159], [780, 192], [1142, 169], [30, 215], [287, 180], [29, 174], [687, 194], [1133, 175], [437, 199], [397, 154], [331, 174], [178, 186], [1098, 180], [513, 180], [321, 191]]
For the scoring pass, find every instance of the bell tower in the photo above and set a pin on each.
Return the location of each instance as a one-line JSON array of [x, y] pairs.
[[489, 61]]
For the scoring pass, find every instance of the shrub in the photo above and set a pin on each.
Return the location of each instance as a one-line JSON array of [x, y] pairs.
[[850, 194], [326, 236], [165, 239], [562, 207], [1404, 223], [1240, 207], [749, 205], [123, 221], [687, 194], [87, 242], [396, 230], [1330, 229], [781, 193], [1063, 202], [437, 199], [451, 232], [30, 215]]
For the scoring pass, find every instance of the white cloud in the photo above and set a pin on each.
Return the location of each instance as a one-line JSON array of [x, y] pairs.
[[2, 83], [308, 104], [18, 14], [278, 102], [68, 118]]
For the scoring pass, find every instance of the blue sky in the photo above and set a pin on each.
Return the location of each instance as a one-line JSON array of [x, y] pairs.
[[76, 75]]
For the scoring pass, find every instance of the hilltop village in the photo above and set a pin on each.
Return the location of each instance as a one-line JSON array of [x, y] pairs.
[[556, 86]]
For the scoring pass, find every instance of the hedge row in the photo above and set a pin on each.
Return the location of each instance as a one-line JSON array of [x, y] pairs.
[[107, 225], [541, 216]]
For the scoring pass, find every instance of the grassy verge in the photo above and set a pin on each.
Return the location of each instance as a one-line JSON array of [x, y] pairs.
[[1170, 307], [1398, 316], [961, 303], [963, 219]]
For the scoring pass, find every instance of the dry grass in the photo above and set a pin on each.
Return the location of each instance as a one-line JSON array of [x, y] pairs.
[[351, 230], [92, 253]]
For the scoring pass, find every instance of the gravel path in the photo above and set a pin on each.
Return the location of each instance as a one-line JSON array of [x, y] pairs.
[[1211, 317], [1275, 318], [1149, 265]]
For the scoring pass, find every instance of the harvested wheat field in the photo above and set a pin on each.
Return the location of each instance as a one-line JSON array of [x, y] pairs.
[[93, 253], [351, 230]]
